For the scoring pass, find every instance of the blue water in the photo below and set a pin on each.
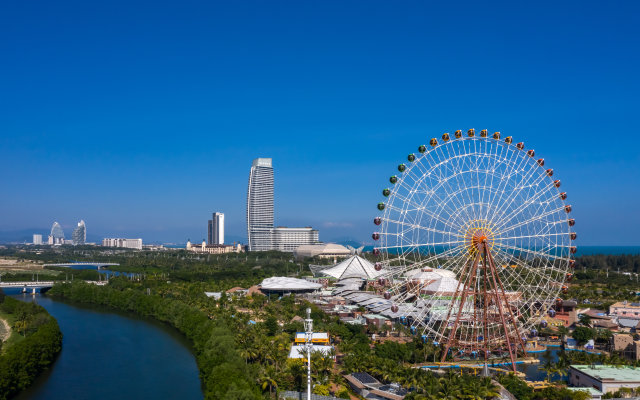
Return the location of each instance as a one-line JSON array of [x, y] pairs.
[[112, 355], [582, 250]]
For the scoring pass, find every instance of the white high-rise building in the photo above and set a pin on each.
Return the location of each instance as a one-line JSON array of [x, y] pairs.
[[260, 205], [37, 239], [215, 231], [79, 235], [57, 235]]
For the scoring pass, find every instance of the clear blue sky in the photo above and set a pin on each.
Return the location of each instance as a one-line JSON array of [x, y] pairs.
[[143, 118]]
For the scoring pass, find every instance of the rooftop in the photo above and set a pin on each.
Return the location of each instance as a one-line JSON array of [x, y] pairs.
[[604, 372]]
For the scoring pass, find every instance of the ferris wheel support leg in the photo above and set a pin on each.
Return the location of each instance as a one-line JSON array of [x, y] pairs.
[[513, 317], [499, 301], [465, 292]]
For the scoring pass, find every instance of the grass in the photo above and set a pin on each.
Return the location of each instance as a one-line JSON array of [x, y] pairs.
[[15, 337]]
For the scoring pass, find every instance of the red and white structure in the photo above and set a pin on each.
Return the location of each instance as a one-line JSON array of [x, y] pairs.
[[477, 240]]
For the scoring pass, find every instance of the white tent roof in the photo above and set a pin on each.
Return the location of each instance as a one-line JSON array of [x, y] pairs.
[[444, 285], [281, 283], [353, 267]]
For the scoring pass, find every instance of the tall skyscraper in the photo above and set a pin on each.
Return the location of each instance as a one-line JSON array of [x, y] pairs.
[[57, 235], [79, 235], [260, 205], [215, 231], [37, 239]]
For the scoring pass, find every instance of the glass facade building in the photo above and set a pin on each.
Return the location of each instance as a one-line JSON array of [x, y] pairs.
[[215, 230], [79, 235], [57, 235], [260, 205]]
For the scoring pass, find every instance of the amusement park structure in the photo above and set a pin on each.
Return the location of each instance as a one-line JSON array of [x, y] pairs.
[[476, 243]]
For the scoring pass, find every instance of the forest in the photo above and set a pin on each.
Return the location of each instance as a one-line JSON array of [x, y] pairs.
[[32, 347]]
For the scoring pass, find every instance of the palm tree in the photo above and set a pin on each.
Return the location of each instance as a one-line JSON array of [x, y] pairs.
[[549, 368], [267, 380], [563, 331]]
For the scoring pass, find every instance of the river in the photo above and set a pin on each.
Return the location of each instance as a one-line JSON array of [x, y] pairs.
[[113, 355]]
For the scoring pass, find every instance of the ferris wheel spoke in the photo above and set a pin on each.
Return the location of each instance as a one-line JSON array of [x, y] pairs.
[[547, 235], [534, 219], [529, 181], [530, 269], [456, 242], [529, 202], [417, 226], [441, 182], [517, 169], [532, 252]]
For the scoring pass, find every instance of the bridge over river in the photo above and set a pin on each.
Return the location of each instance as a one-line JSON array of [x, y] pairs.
[[34, 285], [97, 265]]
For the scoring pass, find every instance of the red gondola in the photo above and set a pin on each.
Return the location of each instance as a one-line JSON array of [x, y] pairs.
[[375, 236], [573, 249], [549, 172], [520, 145], [556, 183], [541, 162], [569, 276], [376, 252], [573, 235], [572, 263], [572, 222], [563, 195], [567, 208], [531, 153]]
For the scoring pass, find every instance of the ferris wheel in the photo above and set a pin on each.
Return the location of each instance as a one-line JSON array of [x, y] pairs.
[[477, 240]]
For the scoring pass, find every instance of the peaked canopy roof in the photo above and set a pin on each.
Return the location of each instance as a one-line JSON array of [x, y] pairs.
[[353, 267]]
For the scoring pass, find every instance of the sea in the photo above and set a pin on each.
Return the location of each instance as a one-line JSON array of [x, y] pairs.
[[590, 250]]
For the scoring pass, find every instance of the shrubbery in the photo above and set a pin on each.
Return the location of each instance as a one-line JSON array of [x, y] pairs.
[[22, 361]]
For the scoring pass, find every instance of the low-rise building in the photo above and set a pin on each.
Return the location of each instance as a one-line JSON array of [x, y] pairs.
[[214, 248], [321, 250], [625, 309], [567, 312], [607, 379], [370, 388], [121, 242], [625, 344]]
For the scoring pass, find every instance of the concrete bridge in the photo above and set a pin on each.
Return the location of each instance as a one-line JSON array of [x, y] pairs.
[[33, 285], [98, 265]]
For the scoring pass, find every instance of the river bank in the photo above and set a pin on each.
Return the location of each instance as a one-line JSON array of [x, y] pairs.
[[110, 354]]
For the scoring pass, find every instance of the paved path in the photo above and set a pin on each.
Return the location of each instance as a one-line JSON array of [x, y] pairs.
[[5, 330]]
